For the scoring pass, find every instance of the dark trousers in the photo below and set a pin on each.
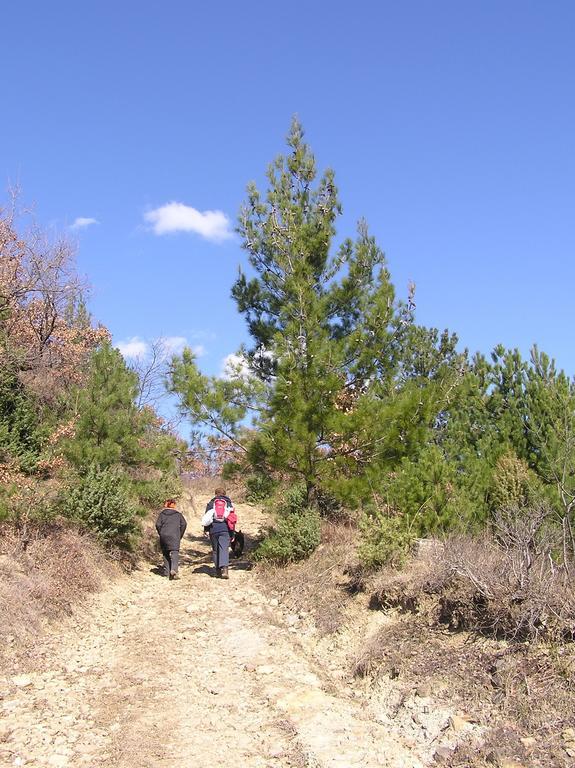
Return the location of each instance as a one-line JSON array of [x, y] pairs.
[[221, 548], [171, 560]]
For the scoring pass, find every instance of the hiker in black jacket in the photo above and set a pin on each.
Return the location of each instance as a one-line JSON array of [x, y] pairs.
[[171, 526]]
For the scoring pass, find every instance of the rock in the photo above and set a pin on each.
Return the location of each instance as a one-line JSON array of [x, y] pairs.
[[417, 719], [22, 681], [442, 754], [191, 608], [423, 691], [265, 669], [274, 602], [568, 734], [301, 702], [58, 761], [528, 742], [309, 679], [457, 723]]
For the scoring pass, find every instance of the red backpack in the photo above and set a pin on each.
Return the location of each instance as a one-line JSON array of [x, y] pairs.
[[220, 507]]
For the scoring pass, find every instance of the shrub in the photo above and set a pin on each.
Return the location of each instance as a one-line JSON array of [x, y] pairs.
[[513, 484], [433, 494], [21, 434], [294, 537], [158, 486], [27, 503], [297, 532], [259, 487], [101, 502], [386, 537], [506, 585]]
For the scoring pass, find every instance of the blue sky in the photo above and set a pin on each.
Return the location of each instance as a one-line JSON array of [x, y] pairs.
[[450, 127]]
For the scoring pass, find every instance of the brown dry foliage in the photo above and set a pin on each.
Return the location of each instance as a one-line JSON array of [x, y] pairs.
[[505, 585], [318, 586], [511, 690], [40, 292], [44, 578], [508, 664]]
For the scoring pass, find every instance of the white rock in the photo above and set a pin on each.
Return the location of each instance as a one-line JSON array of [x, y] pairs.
[[265, 669], [58, 761]]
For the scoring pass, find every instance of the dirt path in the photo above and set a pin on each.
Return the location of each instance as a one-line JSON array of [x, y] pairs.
[[196, 672]]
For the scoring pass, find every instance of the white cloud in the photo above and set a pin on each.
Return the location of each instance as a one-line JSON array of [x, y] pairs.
[[174, 345], [133, 348], [177, 217], [82, 222], [235, 366]]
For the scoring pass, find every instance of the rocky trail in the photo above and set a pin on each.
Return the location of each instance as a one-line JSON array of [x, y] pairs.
[[194, 672]]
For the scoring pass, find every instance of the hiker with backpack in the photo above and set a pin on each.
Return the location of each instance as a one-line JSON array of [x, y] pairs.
[[219, 520], [171, 526]]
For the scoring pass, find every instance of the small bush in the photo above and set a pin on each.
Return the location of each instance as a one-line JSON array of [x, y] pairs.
[[295, 537], [259, 487], [153, 490], [28, 503], [103, 505], [297, 532], [513, 484], [386, 538]]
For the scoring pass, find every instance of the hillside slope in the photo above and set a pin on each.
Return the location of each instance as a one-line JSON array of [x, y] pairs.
[[152, 673]]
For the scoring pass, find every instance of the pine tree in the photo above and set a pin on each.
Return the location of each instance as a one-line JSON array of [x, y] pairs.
[[108, 429], [324, 326]]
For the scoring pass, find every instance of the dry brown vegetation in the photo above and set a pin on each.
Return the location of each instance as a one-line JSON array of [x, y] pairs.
[[43, 577], [499, 586], [485, 624], [512, 691], [317, 587], [476, 624]]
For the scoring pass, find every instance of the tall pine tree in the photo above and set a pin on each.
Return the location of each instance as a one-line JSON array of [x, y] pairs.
[[325, 327]]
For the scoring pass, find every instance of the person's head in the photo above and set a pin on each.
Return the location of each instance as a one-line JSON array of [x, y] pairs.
[[220, 491], [170, 503]]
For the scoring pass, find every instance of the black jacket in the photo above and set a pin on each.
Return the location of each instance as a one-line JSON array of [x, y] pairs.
[[171, 526]]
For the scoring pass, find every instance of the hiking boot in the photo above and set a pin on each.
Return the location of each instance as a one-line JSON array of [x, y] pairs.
[[225, 573], [218, 572], [174, 575]]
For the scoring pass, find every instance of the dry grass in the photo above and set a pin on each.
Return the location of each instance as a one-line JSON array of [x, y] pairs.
[[44, 579], [480, 584], [318, 586], [512, 690], [205, 486], [482, 624]]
